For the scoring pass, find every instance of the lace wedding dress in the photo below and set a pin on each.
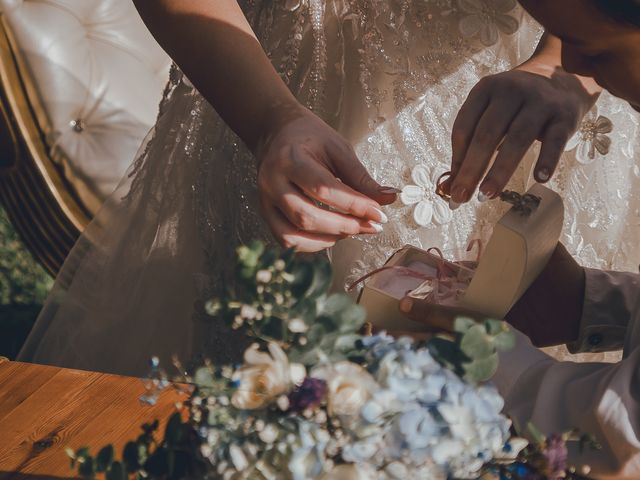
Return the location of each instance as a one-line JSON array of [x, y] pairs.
[[390, 75]]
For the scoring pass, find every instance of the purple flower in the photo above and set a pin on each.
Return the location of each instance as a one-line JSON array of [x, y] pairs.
[[555, 453], [307, 395]]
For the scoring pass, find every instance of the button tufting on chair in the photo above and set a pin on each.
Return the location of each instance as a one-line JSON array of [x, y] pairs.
[[99, 75], [80, 85]]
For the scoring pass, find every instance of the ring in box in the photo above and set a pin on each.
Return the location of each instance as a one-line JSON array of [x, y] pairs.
[[519, 248]]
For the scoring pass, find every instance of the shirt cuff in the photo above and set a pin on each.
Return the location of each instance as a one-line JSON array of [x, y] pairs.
[[513, 363], [609, 302]]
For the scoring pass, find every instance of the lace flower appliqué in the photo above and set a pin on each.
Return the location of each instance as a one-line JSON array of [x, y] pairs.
[[486, 19], [591, 138], [429, 208]]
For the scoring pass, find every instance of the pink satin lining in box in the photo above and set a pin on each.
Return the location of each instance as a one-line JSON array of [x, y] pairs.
[[446, 286]]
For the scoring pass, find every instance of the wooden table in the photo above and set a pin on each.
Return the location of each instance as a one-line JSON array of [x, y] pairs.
[[45, 409]]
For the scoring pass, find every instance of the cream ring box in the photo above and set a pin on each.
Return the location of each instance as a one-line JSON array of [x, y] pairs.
[[517, 252]]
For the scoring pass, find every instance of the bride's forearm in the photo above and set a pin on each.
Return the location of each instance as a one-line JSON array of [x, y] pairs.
[[213, 44]]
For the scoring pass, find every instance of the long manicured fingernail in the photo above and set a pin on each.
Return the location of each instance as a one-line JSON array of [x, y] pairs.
[[543, 174], [376, 226], [382, 217], [389, 190], [483, 197], [454, 205], [406, 305]]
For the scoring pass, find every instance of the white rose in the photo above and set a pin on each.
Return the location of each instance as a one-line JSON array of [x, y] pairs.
[[349, 387], [264, 377]]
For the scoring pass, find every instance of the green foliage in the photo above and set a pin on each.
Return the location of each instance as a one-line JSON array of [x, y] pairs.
[[283, 298], [22, 280], [472, 351], [172, 458]]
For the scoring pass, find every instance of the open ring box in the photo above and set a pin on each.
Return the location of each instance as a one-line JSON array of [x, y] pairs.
[[519, 248]]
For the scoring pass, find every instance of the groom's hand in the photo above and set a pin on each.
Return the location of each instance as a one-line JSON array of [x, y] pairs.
[[507, 113], [435, 318], [549, 312]]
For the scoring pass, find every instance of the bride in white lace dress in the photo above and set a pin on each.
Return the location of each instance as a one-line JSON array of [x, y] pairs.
[[390, 77]]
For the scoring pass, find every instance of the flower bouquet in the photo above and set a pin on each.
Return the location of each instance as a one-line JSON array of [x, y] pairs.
[[316, 399]]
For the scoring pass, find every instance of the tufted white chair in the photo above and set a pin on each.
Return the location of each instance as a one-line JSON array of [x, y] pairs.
[[81, 83]]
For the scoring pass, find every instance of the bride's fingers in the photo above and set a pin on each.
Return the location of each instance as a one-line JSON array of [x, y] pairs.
[[309, 217], [321, 184], [521, 134], [350, 170], [291, 237], [488, 134]]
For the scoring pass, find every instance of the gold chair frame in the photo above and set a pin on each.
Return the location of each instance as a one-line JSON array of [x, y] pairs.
[[40, 202]]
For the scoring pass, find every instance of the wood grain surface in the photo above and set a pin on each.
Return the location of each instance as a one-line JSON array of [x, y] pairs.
[[45, 409]]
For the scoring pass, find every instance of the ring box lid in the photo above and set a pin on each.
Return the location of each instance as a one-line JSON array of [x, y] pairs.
[[517, 252]]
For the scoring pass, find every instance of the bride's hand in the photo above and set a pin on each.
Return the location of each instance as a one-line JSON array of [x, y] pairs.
[[303, 164], [507, 112]]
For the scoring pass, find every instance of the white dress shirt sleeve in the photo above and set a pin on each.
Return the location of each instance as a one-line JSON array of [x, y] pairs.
[[601, 399]]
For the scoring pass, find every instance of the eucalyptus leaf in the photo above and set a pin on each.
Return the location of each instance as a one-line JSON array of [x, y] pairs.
[[303, 275], [446, 352], [116, 472], [346, 343], [343, 313], [481, 370], [352, 318], [82, 452], [335, 304], [322, 277], [86, 467], [308, 357], [504, 341], [476, 343], [494, 327], [130, 457], [315, 333], [158, 463], [104, 458], [173, 431], [328, 341], [462, 324]]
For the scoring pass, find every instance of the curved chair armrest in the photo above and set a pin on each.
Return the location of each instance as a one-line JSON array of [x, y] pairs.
[[39, 201]]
